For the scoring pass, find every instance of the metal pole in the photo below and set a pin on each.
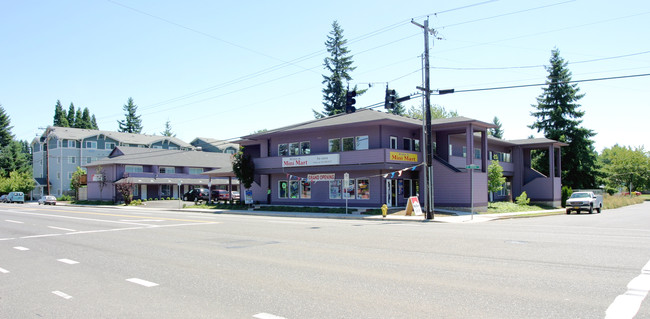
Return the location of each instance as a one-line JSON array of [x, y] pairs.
[[471, 191], [427, 99]]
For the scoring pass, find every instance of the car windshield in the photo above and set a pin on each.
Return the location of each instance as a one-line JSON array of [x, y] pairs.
[[580, 195]]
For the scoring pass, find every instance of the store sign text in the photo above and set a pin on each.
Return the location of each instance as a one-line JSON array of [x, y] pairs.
[[313, 160], [404, 157]]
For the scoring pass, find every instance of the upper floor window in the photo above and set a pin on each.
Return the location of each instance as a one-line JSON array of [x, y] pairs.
[[348, 143], [393, 142], [167, 170], [294, 148], [416, 145], [173, 147], [334, 145], [407, 144], [133, 169], [196, 170], [91, 144], [305, 148], [464, 151], [72, 160], [477, 153], [109, 145], [71, 144], [361, 142], [157, 147]]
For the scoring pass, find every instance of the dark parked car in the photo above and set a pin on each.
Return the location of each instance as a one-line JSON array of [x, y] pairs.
[[196, 194]]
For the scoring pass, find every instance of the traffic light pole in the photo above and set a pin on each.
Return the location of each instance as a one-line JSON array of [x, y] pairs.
[[427, 106]]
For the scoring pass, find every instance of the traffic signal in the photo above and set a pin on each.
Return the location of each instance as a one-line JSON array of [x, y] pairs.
[[349, 102], [389, 103]]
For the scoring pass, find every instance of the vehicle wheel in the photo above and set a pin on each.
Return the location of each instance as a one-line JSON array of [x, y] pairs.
[[39, 203], [185, 198], [591, 209], [568, 211], [599, 209]]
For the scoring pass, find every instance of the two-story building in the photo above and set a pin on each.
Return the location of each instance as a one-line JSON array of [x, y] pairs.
[[382, 157], [156, 173], [214, 145], [60, 150]]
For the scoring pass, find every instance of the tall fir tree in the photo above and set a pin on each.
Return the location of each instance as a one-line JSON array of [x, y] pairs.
[[339, 65], [399, 108], [70, 115], [5, 128], [85, 121], [13, 158], [60, 118], [496, 132], [168, 130], [78, 119], [132, 123], [558, 117], [93, 123]]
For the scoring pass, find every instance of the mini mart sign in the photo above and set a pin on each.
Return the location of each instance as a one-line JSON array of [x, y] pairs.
[[403, 157], [312, 160]]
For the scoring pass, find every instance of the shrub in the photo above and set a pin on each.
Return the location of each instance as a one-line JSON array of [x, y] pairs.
[[168, 198], [64, 198], [523, 199], [566, 192]]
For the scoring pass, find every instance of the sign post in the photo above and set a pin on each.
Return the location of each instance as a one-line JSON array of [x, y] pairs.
[[180, 195], [346, 185], [471, 169]]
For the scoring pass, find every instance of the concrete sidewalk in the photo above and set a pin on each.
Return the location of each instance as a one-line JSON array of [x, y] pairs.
[[445, 217]]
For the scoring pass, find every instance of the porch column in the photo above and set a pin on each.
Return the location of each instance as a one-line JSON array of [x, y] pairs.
[[484, 151], [469, 141]]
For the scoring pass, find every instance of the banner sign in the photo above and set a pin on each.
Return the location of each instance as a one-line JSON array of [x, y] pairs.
[[321, 177], [97, 177], [312, 160], [404, 157]]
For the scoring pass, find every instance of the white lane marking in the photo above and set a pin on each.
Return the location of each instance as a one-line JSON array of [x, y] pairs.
[[264, 315], [4, 271], [7, 238], [68, 261], [39, 236], [142, 282], [627, 305], [21, 248], [286, 222], [13, 221], [141, 220], [61, 228], [62, 294]]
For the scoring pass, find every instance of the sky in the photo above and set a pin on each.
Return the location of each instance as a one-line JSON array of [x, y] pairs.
[[225, 69]]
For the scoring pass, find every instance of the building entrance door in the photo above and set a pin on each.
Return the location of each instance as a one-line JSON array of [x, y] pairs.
[[391, 193]]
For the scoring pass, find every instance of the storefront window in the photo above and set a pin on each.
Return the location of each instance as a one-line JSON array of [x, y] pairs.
[[348, 144], [166, 190], [334, 145], [335, 189], [350, 190], [283, 150], [305, 189], [363, 189], [294, 189], [305, 148], [362, 142], [294, 148], [283, 189]]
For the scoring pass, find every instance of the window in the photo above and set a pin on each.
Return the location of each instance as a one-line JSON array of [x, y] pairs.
[[393, 142], [167, 170], [363, 189], [477, 153], [294, 149], [294, 191], [72, 159], [334, 145], [136, 190], [109, 145], [133, 169], [407, 188], [361, 142], [173, 148], [196, 170], [72, 144], [416, 145], [305, 189], [283, 150], [451, 149], [166, 190], [283, 189], [305, 148], [335, 189], [91, 144], [348, 144], [159, 147], [464, 151], [58, 175], [350, 190], [70, 175], [407, 144]]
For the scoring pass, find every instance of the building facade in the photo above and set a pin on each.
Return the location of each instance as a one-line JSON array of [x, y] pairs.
[[382, 157], [214, 145], [60, 150], [156, 173]]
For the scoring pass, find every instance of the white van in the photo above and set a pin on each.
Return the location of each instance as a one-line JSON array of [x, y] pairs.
[[16, 197]]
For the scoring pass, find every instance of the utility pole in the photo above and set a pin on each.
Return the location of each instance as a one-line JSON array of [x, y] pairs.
[[428, 144]]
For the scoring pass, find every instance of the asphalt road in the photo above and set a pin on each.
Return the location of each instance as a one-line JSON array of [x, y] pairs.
[[80, 262]]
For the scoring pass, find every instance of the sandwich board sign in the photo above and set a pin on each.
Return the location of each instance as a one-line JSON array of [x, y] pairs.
[[413, 206]]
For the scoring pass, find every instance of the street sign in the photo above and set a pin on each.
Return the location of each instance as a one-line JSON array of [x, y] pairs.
[[473, 166]]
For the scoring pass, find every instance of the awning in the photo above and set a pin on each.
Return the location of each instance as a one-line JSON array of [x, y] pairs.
[[171, 181]]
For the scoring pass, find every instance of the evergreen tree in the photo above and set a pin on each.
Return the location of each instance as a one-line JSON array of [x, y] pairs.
[[60, 119], [85, 121], [5, 128], [168, 130], [93, 123], [132, 123], [13, 159], [71, 114], [558, 117], [398, 108], [496, 132], [339, 64], [78, 119]]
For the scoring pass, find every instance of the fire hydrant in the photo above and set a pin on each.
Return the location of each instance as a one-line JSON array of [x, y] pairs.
[[384, 210]]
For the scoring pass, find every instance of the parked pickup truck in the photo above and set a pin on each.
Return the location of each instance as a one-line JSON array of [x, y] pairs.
[[584, 201]]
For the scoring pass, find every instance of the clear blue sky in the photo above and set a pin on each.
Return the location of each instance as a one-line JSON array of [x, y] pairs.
[[224, 69]]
